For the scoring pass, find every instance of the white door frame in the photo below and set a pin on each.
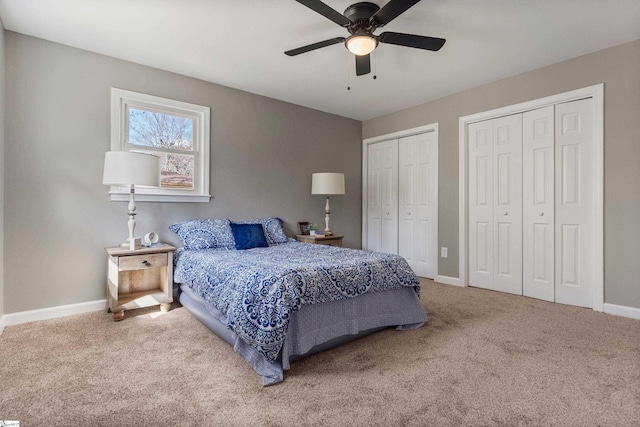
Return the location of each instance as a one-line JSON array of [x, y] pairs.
[[433, 127], [597, 93]]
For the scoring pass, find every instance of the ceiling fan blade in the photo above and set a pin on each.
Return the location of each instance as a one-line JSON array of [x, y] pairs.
[[363, 65], [391, 11], [326, 11], [412, 40], [314, 46]]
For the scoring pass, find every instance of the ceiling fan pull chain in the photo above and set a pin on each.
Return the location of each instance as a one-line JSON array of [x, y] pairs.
[[348, 72], [375, 64]]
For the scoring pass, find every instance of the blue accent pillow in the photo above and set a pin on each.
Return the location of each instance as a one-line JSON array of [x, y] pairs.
[[249, 236], [272, 229], [205, 233]]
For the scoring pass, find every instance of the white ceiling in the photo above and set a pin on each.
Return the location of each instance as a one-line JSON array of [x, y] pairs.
[[240, 43]]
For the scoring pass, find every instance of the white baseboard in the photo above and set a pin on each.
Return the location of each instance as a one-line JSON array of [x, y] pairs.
[[54, 312], [455, 281], [98, 305], [621, 310]]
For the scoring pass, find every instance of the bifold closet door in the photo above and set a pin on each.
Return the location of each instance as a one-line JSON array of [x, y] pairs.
[[382, 197], [538, 231], [416, 202], [495, 204], [481, 204], [507, 153], [575, 202], [532, 209]]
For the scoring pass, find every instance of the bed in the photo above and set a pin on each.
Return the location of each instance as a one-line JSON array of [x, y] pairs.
[[275, 300]]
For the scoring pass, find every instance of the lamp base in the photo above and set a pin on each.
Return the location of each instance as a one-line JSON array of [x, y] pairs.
[[132, 244], [328, 232]]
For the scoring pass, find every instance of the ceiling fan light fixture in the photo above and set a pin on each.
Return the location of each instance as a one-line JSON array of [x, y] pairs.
[[361, 44], [361, 20]]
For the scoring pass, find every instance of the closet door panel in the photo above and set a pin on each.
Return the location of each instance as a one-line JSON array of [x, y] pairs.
[[406, 199], [389, 197], [416, 202], [481, 204], [507, 212], [374, 196], [427, 204], [538, 270], [575, 203]]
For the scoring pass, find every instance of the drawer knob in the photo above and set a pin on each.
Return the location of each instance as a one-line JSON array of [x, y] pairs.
[[147, 263]]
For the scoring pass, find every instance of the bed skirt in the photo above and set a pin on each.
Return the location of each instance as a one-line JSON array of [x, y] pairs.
[[318, 327]]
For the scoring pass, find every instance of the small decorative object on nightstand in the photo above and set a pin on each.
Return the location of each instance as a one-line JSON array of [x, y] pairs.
[[313, 229], [139, 278], [333, 240]]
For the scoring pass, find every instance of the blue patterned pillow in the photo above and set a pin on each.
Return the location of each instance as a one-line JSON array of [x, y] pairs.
[[272, 229], [249, 236], [205, 233]]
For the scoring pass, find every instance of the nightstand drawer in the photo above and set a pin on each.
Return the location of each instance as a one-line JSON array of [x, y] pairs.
[[331, 240], [140, 262], [334, 242]]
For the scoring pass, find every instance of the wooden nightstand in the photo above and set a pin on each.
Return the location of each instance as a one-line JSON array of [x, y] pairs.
[[139, 278], [333, 240]]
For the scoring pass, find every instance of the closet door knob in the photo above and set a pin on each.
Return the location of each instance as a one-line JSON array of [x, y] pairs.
[[506, 213], [541, 213], [409, 213]]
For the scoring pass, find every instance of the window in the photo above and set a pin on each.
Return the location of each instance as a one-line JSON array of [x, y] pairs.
[[177, 132]]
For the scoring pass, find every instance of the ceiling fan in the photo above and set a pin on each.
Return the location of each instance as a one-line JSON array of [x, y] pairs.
[[361, 20]]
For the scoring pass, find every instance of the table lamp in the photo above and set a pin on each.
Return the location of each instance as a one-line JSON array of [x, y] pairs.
[[127, 169], [326, 184]]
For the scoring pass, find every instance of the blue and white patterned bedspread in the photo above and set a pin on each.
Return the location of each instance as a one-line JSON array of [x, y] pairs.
[[258, 289]]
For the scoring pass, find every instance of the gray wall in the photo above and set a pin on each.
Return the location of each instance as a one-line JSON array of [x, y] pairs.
[[58, 217], [2, 109], [619, 69]]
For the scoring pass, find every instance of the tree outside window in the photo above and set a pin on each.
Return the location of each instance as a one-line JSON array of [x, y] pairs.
[[173, 136]]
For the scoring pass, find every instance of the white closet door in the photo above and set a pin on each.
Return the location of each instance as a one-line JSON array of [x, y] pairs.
[[416, 202], [495, 204], [538, 270], [374, 196], [507, 213], [575, 202], [481, 204], [389, 197], [382, 197]]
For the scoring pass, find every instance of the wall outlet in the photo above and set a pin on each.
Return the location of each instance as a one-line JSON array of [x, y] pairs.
[[444, 252]]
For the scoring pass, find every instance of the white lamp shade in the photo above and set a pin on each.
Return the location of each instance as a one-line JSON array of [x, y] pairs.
[[327, 183], [125, 168]]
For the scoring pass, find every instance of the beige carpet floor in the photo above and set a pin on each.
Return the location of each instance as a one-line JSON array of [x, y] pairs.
[[484, 358]]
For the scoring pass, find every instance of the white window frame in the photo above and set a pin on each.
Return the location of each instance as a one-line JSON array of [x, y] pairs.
[[121, 101]]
